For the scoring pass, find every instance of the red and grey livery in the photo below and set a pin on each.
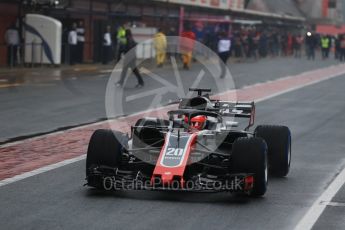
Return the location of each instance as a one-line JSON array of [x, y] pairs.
[[172, 155]]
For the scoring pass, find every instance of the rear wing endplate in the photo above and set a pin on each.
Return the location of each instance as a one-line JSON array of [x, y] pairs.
[[237, 109]]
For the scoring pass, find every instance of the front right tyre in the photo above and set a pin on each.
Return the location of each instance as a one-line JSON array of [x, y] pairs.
[[105, 149]]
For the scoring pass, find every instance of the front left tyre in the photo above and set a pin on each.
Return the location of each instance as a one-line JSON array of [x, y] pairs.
[[249, 155]]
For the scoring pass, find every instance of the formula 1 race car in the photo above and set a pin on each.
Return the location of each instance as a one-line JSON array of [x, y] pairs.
[[202, 147]]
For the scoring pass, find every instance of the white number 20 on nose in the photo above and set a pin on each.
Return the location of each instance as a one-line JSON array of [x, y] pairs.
[[174, 152]]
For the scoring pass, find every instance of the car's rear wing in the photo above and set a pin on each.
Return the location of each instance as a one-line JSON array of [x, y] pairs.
[[236, 109]]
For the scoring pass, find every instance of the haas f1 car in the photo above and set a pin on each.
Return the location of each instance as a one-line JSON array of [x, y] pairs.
[[205, 145]]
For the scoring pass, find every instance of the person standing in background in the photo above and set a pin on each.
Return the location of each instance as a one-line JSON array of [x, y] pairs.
[[325, 44], [270, 43], [224, 46], [337, 47], [81, 40], [72, 43], [107, 44], [130, 61], [12, 42], [172, 44], [331, 41], [310, 42], [160, 44], [237, 45], [245, 43], [342, 48], [187, 43], [263, 45], [198, 30], [298, 41], [251, 45], [256, 38], [283, 44], [121, 42], [289, 45], [275, 44]]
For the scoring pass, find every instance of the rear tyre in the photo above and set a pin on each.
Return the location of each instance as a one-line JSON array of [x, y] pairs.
[[249, 155], [105, 148], [278, 139]]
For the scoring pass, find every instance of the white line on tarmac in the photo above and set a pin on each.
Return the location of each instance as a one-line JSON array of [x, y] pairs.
[[41, 170], [314, 212]]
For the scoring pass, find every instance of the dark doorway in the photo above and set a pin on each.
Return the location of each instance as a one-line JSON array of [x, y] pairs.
[[99, 27]]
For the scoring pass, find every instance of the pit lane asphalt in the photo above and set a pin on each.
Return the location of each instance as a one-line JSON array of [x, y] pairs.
[[76, 99], [57, 200]]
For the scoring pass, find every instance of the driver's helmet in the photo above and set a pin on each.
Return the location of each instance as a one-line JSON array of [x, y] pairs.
[[197, 122]]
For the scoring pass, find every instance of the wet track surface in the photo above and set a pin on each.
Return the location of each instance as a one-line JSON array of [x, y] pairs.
[[79, 98], [57, 199]]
